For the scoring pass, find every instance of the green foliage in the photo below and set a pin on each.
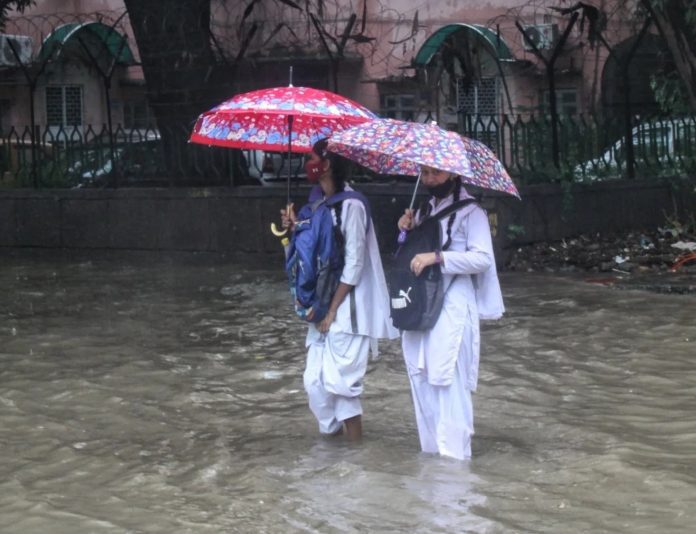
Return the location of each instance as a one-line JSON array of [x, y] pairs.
[[9, 5], [670, 93]]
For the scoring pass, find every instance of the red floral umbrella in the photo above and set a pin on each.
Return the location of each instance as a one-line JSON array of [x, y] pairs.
[[278, 119]]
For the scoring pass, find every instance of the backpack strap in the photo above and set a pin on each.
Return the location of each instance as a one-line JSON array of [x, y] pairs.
[[450, 210], [344, 195], [332, 201], [455, 206]]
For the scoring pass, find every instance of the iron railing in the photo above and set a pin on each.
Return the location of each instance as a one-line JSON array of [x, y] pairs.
[[591, 147]]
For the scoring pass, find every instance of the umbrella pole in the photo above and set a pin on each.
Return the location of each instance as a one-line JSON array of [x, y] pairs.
[[403, 233], [288, 205], [290, 119]]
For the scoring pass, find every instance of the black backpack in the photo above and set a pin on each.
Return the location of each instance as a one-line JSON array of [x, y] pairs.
[[416, 301]]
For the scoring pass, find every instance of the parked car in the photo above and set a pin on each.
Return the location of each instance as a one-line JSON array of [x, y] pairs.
[[137, 159], [656, 144], [272, 167]]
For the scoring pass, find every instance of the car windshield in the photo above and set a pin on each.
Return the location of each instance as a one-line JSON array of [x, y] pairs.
[[268, 167]]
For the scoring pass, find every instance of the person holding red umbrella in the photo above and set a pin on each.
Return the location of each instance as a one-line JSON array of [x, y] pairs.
[[442, 362], [280, 119], [339, 345]]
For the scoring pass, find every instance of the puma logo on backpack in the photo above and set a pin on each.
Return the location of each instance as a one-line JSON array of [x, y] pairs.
[[416, 301], [402, 301]]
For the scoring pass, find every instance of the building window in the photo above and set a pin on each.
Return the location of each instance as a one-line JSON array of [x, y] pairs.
[[64, 105], [566, 102], [137, 114], [399, 106], [478, 97]]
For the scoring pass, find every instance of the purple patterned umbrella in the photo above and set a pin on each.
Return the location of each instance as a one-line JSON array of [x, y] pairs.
[[389, 146]]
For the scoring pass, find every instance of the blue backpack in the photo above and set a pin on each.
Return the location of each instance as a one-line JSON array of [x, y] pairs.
[[315, 256]]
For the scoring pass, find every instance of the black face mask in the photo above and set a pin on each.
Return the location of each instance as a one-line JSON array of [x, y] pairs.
[[442, 190]]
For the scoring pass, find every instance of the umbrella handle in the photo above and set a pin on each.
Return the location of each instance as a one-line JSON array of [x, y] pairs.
[[276, 232], [403, 233], [402, 237], [274, 228]]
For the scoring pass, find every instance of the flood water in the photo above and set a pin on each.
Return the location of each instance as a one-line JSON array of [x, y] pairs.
[[154, 394]]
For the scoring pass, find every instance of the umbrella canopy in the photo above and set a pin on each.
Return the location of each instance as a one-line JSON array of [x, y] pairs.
[[278, 119], [389, 146]]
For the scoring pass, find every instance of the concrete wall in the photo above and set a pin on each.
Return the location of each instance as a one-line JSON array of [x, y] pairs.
[[226, 220]]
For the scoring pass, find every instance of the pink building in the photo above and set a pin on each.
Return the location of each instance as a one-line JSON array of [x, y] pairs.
[[441, 59]]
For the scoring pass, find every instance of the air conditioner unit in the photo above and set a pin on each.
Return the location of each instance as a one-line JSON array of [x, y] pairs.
[[22, 46], [543, 36]]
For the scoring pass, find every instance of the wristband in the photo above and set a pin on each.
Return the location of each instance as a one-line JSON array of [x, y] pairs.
[[438, 257]]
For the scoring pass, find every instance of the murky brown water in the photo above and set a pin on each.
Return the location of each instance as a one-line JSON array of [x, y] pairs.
[[150, 394]]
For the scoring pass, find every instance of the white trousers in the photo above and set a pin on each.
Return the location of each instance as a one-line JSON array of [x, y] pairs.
[[333, 378], [444, 415]]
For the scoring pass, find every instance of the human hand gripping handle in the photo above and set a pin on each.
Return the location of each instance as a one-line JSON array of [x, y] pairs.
[[409, 222], [287, 217], [405, 224]]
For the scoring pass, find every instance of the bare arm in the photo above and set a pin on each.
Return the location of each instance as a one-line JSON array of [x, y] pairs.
[[355, 226], [340, 295]]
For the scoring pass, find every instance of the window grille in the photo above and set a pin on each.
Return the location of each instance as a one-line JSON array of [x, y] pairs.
[[478, 97], [64, 105], [477, 104], [399, 106]]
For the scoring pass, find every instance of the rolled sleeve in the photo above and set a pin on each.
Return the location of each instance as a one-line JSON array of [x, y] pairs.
[[354, 232], [478, 256]]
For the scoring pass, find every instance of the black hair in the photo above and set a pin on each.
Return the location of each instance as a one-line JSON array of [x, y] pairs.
[[450, 222], [339, 166]]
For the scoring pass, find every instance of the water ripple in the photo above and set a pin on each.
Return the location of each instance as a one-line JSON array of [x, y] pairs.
[[174, 390]]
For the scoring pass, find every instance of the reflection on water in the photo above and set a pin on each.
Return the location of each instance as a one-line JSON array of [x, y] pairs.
[[151, 394]]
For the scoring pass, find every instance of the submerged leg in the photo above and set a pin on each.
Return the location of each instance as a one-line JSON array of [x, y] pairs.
[[333, 380], [321, 402], [354, 428]]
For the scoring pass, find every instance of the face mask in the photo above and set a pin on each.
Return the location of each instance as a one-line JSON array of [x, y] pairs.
[[442, 190], [313, 170]]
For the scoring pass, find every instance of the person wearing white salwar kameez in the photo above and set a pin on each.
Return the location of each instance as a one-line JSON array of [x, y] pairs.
[[338, 347], [442, 363]]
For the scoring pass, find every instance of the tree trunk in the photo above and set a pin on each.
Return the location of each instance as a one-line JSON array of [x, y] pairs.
[[181, 74], [676, 22]]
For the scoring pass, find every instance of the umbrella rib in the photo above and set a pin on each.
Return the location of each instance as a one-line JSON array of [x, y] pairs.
[[285, 112]]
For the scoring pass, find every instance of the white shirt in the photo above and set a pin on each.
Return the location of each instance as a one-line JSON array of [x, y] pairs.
[[362, 269], [472, 292]]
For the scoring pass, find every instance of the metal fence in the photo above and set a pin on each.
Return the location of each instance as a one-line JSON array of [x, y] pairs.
[[590, 148], [67, 157]]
